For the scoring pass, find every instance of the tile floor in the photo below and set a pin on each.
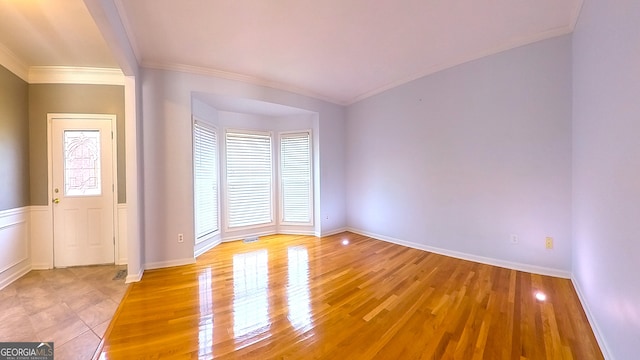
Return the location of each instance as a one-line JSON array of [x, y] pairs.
[[71, 307]]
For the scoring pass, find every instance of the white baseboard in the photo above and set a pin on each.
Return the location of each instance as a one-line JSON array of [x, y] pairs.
[[297, 232], [120, 257], [333, 232], [131, 278], [592, 321], [15, 258], [15, 275], [470, 257], [170, 263], [208, 247], [236, 238], [40, 266]]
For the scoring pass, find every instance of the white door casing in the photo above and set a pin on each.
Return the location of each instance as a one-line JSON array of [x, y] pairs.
[[83, 188]]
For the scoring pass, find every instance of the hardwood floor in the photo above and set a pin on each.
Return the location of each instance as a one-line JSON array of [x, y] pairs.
[[300, 297]]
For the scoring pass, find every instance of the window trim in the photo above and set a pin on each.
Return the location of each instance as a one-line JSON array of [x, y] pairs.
[[281, 182], [273, 204], [207, 125]]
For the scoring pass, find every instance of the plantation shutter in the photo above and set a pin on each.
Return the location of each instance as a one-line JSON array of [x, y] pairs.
[[249, 179], [205, 168], [295, 173]]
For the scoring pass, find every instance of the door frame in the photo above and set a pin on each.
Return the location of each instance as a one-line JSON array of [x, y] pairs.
[[114, 150]]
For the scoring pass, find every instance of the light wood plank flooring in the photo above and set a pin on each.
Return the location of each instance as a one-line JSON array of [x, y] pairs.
[[300, 297]]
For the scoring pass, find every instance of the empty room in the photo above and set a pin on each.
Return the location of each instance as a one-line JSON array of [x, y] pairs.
[[320, 179]]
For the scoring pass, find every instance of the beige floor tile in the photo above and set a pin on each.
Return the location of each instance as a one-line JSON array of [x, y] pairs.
[[76, 288], [46, 306], [52, 316], [9, 306], [101, 329], [64, 331], [30, 279], [89, 299], [34, 305], [15, 326], [114, 291], [99, 313], [59, 276], [9, 291], [80, 348]]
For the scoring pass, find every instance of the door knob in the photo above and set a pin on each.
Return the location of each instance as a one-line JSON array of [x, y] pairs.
[[56, 200]]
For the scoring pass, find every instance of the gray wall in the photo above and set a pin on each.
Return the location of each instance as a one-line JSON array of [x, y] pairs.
[[14, 141], [461, 159], [64, 98], [606, 170]]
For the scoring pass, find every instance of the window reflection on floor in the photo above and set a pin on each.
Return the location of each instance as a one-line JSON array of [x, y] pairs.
[[205, 326], [298, 289], [250, 290]]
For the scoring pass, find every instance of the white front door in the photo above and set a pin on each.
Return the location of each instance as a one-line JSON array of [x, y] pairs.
[[83, 191]]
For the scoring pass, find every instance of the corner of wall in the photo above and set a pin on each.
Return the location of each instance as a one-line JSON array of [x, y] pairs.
[[597, 332]]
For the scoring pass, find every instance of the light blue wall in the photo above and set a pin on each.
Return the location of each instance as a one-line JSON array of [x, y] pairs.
[[461, 159], [606, 170]]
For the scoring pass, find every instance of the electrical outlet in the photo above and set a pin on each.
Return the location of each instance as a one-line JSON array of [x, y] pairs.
[[548, 242], [180, 238], [513, 238]]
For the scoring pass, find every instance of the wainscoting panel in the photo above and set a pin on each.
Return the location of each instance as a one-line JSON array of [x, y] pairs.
[[41, 237], [14, 244]]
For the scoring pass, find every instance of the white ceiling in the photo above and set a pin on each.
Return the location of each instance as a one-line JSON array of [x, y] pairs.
[[337, 50], [52, 33]]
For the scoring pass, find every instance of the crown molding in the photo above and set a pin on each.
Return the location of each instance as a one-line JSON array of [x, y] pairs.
[[75, 75], [576, 15], [10, 61], [198, 70], [523, 41]]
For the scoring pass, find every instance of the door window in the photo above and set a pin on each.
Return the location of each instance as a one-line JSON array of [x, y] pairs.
[[82, 163]]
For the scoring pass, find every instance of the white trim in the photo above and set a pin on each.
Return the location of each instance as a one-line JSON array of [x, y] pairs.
[[465, 256], [114, 153], [131, 278], [213, 128], [563, 30], [280, 182], [75, 75], [555, 32], [126, 25], [22, 271], [592, 321], [121, 243], [18, 262], [170, 263], [10, 61], [14, 211], [207, 247], [224, 176], [135, 256], [576, 14], [297, 232], [198, 70], [236, 238], [41, 234], [24, 223], [333, 232]]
